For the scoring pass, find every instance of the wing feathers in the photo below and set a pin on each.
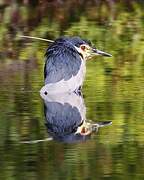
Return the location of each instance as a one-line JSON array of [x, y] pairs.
[[61, 65]]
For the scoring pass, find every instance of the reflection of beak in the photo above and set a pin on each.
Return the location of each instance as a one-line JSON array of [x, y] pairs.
[[98, 52]]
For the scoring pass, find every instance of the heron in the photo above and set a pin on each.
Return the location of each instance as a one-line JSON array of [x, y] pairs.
[[65, 64]]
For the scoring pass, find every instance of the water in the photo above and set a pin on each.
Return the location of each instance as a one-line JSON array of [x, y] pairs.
[[113, 91]]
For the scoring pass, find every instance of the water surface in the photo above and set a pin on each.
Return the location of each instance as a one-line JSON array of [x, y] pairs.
[[113, 91]]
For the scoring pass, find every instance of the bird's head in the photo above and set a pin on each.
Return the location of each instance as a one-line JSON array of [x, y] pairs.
[[85, 48]]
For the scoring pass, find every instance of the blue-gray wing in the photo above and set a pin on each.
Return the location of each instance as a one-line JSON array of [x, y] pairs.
[[61, 119], [60, 66]]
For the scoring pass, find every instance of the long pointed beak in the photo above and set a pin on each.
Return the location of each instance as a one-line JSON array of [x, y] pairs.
[[98, 52]]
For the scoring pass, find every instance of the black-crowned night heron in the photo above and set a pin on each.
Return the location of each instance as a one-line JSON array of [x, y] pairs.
[[65, 65]]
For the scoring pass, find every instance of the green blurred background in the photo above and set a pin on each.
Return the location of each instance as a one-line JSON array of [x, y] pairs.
[[113, 90]]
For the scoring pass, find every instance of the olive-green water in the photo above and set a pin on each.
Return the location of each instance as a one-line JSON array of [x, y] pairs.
[[113, 91]]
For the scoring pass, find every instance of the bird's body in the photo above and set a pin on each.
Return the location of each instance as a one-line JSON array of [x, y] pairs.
[[74, 83], [65, 65]]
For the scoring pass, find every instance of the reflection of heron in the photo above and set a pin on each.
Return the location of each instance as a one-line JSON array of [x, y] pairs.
[[66, 118], [65, 64]]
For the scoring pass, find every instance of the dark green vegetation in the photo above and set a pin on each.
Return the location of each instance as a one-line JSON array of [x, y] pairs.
[[113, 90]]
